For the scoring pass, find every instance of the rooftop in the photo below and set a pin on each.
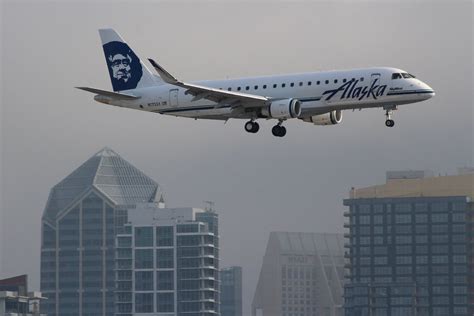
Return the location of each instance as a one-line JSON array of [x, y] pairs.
[[110, 174], [407, 185]]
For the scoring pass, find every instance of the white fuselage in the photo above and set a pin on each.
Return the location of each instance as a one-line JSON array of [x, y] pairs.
[[318, 92]]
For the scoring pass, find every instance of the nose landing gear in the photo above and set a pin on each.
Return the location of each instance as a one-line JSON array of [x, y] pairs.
[[389, 122], [251, 127]]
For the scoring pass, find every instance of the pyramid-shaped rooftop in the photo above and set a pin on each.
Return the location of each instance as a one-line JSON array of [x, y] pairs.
[[109, 173]]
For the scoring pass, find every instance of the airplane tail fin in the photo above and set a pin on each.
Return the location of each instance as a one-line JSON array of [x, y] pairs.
[[126, 70]]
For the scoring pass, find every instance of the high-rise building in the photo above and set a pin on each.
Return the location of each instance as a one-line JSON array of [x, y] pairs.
[[83, 214], [168, 262], [231, 291], [410, 246], [302, 275]]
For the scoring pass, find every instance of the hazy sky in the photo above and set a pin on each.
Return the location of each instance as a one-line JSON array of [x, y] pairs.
[[259, 183]]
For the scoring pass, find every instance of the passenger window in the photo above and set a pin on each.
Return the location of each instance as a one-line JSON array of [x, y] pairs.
[[335, 80], [326, 82], [309, 83], [301, 83], [344, 80], [282, 85], [238, 89], [274, 85], [353, 79], [229, 89], [247, 87], [362, 79], [292, 84], [256, 87], [264, 86], [318, 82]]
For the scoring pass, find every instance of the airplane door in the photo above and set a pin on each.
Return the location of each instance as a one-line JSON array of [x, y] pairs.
[[174, 97], [374, 77]]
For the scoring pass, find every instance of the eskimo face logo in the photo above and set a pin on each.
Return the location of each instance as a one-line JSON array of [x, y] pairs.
[[124, 66]]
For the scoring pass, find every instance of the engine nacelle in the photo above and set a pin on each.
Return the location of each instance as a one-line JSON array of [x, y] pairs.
[[330, 118], [284, 109]]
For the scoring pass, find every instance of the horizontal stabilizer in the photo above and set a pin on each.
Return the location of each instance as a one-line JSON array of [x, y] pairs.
[[113, 95]]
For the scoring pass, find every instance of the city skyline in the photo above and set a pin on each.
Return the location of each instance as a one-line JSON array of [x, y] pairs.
[[259, 183]]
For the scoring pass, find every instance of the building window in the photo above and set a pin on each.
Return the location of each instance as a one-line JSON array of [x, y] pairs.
[[144, 281], [165, 302], [165, 280], [144, 258], [124, 241], [144, 303], [165, 258], [143, 236], [439, 218], [164, 236]]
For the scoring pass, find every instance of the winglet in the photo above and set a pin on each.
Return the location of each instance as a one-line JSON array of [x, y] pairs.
[[166, 76]]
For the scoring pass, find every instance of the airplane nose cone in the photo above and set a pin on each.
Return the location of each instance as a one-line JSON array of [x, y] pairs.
[[427, 91]]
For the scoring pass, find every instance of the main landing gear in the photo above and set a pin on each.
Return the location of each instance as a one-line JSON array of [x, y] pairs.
[[279, 130], [251, 127], [389, 122]]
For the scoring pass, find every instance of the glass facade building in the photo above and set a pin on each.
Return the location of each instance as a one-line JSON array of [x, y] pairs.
[[167, 263], [83, 214], [231, 291], [409, 248], [302, 275]]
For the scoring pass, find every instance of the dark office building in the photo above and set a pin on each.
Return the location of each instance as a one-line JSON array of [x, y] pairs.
[[409, 247], [83, 214], [231, 291]]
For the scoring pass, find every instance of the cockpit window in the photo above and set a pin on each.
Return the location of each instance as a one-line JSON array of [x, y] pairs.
[[407, 75], [402, 75], [396, 76]]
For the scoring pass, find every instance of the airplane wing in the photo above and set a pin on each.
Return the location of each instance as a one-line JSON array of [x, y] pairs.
[[113, 95], [212, 94]]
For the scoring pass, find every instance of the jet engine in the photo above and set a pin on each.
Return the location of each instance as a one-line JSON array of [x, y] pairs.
[[330, 118], [283, 109]]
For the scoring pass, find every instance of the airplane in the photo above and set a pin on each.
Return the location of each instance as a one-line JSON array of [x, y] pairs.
[[318, 98]]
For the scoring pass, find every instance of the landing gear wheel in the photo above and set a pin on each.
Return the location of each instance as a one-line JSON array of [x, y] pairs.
[[389, 123], [278, 131], [251, 127]]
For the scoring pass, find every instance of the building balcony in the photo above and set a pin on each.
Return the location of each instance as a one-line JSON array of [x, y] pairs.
[[347, 225], [346, 214], [347, 245]]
